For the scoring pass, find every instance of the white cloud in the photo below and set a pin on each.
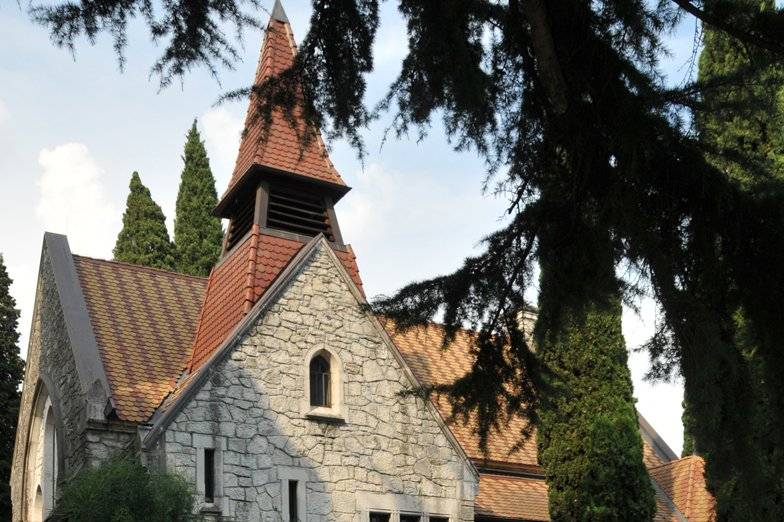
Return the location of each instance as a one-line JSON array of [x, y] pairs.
[[221, 129], [412, 224], [73, 199]]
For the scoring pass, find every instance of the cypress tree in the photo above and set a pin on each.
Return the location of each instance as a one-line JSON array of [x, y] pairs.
[[688, 435], [197, 232], [11, 374], [144, 239], [588, 434]]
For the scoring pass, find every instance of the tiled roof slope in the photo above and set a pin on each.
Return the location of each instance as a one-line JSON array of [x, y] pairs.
[[432, 365], [517, 498], [283, 147], [524, 498], [143, 320], [240, 280], [684, 482]]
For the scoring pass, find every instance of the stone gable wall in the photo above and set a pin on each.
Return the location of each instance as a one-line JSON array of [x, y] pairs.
[[390, 449], [50, 359]]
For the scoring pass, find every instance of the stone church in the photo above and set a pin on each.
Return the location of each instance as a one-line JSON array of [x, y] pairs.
[[270, 385]]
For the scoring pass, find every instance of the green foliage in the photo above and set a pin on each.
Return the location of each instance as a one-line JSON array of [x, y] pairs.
[[11, 375], [688, 436], [198, 235], [744, 106], [144, 239], [588, 437], [193, 33], [122, 490], [742, 129]]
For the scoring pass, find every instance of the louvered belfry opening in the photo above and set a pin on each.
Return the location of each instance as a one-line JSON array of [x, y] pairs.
[[242, 221], [296, 209]]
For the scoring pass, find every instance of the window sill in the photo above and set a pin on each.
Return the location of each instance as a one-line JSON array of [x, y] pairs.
[[325, 414], [210, 508]]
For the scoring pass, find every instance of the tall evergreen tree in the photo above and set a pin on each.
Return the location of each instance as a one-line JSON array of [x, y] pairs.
[[198, 234], [588, 437], [11, 375], [688, 435], [742, 127], [144, 239]]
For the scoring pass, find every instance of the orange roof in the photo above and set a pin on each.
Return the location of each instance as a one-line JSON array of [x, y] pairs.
[[143, 320], [518, 498], [240, 280], [421, 347], [684, 482], [280, 145]]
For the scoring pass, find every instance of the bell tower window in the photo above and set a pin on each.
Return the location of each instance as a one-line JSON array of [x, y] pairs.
[[242, 219], [300, 209]]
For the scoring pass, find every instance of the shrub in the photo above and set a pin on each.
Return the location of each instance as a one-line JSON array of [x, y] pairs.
[[122, 490]]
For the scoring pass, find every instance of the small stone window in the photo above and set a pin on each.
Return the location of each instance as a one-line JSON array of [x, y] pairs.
[[320, 382], [323, 376], [376, 516]]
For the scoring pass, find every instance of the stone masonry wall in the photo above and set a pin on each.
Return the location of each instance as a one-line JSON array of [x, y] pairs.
[[390, 450], [50, 358]]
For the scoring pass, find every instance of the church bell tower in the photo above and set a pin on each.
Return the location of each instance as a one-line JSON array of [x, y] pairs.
[[281, 195]]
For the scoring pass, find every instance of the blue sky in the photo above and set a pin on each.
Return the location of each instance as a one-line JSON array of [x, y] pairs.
[[73, 128]]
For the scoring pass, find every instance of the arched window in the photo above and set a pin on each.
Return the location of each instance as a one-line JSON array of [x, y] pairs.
[[43, 459], [320, 381]]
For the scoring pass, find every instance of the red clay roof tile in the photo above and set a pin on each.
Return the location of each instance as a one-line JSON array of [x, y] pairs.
[[284, 146], [143, 320], [684, 482], [240, 280]]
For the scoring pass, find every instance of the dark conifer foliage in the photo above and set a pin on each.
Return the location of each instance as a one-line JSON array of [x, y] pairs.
[[144, 239], [742, 125], [11, 375], [566, 96], [197, 232], [589, 438]]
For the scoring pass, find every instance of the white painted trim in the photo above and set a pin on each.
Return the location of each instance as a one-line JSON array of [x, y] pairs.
[[337, 410], [301, 475]]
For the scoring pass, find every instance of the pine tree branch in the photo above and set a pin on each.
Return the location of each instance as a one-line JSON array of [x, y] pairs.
[[736, 32]]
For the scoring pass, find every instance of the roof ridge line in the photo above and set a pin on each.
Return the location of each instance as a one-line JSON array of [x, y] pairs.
[[250, 270], [141, 267]]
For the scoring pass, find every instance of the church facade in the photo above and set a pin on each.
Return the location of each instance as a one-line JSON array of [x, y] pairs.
[[270, 385]]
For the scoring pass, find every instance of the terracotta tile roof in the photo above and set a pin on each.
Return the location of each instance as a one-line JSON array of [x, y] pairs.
[[684, 482], [240, 280], [421, 348], [518, 498], [143, 320], [283, 147], [524, 498]]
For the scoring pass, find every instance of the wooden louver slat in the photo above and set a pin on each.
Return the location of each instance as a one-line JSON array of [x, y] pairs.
[[298, 213]]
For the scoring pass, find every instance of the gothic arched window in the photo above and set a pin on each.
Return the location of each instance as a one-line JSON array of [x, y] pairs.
[[320, 381]]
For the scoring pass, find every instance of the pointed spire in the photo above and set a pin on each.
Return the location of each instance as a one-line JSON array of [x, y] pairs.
[[283, 147], [278, 13]]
